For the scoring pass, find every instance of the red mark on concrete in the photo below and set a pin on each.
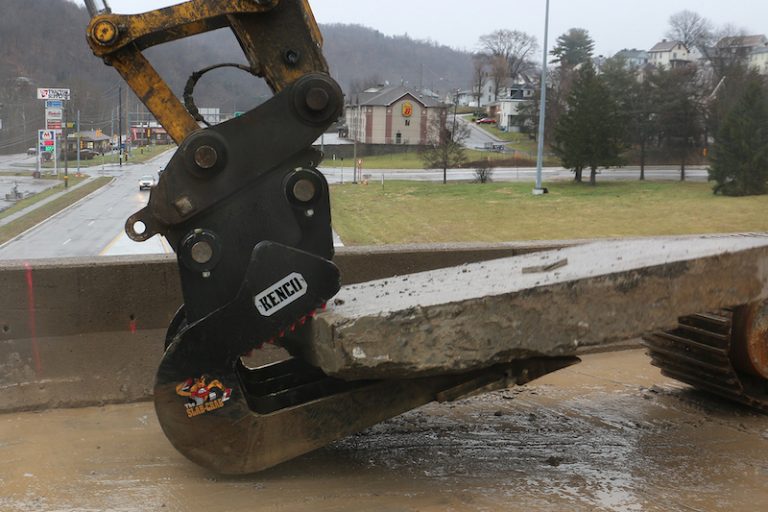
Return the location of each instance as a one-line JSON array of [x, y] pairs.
[[32, 320], [132, 325]]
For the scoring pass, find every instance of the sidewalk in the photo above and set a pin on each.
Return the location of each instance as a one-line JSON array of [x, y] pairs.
[[7, 220]]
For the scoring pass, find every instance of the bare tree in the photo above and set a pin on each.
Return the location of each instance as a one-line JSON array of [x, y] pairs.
[[691, 29], [446, 146], [480, 75], [514, 46], [499, 72]]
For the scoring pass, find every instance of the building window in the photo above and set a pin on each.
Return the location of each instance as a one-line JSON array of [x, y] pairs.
[[399, 138], [407, 122]]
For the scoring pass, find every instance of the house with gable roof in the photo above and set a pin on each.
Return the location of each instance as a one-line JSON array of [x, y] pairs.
[[670, 55], [394, 115]]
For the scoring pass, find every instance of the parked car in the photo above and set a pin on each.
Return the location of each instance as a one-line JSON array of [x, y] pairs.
[[32, 151], [146, 182], [486, 120]]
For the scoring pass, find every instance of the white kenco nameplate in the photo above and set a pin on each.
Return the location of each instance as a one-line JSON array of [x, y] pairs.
[[281, 294]]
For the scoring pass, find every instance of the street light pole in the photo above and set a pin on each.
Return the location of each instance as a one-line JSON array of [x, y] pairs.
[[539, 190]]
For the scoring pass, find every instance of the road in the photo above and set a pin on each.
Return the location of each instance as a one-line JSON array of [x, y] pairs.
[[609, 435], [93, 226], [478, 137], [336, 175]]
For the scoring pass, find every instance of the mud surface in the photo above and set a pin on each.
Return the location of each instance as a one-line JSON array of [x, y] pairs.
[[610, 434]]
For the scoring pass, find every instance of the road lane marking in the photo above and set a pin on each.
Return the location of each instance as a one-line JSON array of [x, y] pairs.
[[68, 240], [111, 244], [91, 223], [166, 246]]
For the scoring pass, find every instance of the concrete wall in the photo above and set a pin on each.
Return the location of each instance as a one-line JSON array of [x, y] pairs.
[[85, 332]]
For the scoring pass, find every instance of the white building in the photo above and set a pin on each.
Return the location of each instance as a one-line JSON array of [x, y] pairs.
[[758, 60], [509, 109], [670, 55]]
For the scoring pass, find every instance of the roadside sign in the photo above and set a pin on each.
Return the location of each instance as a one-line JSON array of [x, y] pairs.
[[54, 118], [54, 114], [54, 104], [53, 94]]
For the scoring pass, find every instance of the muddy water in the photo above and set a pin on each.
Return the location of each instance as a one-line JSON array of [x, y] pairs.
[[610, 434]]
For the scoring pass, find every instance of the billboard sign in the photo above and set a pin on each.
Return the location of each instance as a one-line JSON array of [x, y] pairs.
[[54, 104], [53, 94]]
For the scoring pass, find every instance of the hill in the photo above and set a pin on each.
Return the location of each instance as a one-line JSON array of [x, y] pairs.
[[55, 54]]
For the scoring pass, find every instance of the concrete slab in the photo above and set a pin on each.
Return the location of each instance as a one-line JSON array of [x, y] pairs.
[[544, 304], [608, 435], [90, 331]]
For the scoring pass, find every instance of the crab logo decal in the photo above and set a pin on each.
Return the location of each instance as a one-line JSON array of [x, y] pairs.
[[203, 395]]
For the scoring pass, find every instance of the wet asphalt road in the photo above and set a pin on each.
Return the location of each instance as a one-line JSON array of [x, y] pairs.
[[608, 435], [92, 226]]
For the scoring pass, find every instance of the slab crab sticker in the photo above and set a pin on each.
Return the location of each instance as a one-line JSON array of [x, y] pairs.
[[203, 395]]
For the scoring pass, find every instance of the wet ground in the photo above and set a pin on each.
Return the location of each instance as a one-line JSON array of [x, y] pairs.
[[610, 434]]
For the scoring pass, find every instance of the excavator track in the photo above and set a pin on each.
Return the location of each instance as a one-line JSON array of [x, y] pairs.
[[707, 351]]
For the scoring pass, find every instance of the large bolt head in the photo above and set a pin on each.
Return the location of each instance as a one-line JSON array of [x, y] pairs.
[[206, 157], [318, 99], [202, 252], [104, 32]]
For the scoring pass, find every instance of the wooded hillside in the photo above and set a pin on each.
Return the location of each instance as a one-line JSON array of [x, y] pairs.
[[42, 44]]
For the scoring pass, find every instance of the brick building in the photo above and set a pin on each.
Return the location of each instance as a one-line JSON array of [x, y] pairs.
[[394, 115]]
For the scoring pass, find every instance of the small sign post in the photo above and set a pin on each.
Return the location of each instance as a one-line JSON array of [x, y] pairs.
[[46, 143], [54, 127]]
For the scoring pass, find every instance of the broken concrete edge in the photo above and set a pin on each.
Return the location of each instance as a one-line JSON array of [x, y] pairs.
[[87, 311], [460, 319]]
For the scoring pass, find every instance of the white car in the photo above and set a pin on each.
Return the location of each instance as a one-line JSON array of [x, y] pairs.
[[146, 182]]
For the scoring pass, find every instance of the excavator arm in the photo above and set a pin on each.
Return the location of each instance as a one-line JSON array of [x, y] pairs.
[[248, 215]]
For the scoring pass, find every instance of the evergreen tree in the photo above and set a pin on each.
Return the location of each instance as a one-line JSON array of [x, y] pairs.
[[588, 135], [573, 48], [740, 162]]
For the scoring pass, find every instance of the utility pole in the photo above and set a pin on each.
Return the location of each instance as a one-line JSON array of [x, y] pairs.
[[65, 134], [119, 125], [539, 190], [354, 138], [453, 134], [78, 142]]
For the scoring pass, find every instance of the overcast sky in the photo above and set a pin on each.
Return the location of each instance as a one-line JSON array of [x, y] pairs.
[[614, 24]]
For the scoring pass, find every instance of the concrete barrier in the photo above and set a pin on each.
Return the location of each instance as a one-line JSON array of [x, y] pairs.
[[85, 332]]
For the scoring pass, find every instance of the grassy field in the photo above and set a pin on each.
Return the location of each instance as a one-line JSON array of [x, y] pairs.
[[38, 215], [411, 160], [137, 156], [408, 212]]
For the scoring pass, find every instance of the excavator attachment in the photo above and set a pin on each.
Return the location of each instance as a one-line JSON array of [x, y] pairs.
[[248, 214]]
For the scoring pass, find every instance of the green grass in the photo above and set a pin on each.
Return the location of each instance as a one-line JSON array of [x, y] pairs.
[[38, 215], [137, 156], [411, 160], [408, 212], [25, 203]]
